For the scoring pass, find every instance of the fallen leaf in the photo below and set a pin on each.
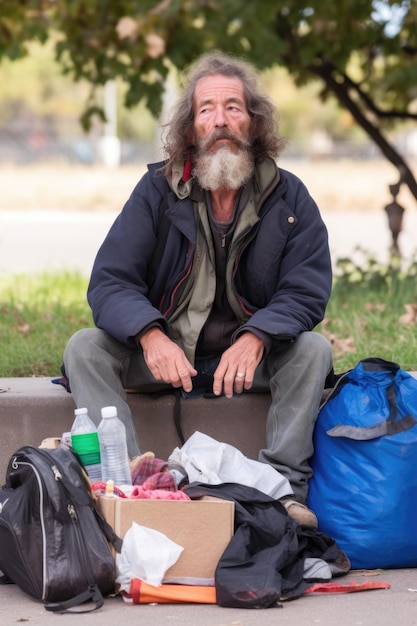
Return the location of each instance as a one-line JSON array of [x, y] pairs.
[[340, 345], [410, 317]]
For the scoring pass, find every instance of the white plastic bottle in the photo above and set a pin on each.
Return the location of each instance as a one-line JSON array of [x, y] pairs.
[[113, 448], [84, 441]]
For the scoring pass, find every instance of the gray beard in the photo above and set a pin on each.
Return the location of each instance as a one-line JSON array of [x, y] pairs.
[[224, 169]]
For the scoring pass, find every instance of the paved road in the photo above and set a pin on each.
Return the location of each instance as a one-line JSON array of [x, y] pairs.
[[388, 607], [36, 241], [33, 241]]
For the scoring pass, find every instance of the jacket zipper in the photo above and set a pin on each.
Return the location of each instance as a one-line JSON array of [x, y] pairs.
[[241, 243], [15, 465], [175, 293], [73, 515]]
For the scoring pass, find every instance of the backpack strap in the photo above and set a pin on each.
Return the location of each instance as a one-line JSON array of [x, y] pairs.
[[5, 580], [108, 531], [177, 415], [93, 593]]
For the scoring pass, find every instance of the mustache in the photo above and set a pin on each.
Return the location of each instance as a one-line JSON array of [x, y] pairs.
[[223, 133]]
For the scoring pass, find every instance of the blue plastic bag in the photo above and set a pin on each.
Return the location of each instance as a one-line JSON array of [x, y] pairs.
[[364, 484]]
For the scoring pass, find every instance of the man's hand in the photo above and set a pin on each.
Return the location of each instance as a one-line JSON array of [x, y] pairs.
[[166, 361], [237, 366]]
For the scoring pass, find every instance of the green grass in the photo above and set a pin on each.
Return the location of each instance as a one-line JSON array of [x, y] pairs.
[[38, 314], [367, 314], [364, 318]]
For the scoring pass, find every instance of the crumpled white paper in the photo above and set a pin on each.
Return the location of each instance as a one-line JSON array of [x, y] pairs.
[[146, 554], [208, 461]]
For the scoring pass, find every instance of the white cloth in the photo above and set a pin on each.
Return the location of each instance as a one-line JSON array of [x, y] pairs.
[[146, 554], [208, 461]]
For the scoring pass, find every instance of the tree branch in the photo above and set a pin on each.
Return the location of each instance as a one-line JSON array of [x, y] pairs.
[[340, 89], [404, 115]]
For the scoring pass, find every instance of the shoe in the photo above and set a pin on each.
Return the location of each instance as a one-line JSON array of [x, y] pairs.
[[300, 513]]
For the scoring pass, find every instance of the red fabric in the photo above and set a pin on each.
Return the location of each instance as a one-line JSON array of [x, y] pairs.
[[153, 473], [147, 466], [186, 175], [349, 587], [157, 494], [163, 480]]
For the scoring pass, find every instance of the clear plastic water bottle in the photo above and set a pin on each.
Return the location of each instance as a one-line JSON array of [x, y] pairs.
[[84, 441], [113, 448]]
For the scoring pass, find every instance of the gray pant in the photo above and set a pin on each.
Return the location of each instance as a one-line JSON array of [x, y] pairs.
[[100, 369]]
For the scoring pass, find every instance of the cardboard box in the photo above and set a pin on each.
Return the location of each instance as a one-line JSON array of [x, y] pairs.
[[202, 527]]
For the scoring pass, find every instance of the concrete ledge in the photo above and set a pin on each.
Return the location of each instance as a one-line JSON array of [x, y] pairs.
[[32, 409]]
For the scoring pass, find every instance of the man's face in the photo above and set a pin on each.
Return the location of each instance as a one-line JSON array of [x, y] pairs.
[[221, 118]]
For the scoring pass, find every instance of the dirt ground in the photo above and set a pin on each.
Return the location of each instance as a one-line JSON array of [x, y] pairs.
[[335, 185]]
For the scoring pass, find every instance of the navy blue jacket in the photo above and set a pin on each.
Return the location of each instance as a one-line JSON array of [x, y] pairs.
[[282, 276]]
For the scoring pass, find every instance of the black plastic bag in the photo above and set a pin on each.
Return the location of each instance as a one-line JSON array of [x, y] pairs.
[[265, 560]]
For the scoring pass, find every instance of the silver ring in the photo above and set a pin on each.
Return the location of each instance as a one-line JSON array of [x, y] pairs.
[[240, 375]]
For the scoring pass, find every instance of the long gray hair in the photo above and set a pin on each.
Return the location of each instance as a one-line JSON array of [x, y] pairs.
[[264, 136]]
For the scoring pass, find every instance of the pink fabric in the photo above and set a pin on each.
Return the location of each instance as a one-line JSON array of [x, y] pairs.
[[157, 494], [153, 473], [162, 480], [147, 466]]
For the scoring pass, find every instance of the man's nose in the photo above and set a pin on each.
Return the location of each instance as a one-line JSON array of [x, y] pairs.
[[220, 118]]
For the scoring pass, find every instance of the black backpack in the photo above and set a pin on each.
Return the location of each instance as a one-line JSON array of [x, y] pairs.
[[54, 543]]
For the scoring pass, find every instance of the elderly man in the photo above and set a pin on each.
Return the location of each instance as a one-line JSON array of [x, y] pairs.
[[214, 275]]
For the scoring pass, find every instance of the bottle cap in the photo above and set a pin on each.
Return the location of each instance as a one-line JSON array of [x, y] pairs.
[[80, 411], [109, 411], [109, 486]]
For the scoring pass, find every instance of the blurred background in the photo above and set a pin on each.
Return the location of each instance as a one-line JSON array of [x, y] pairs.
[[41, 110], [85, 87]]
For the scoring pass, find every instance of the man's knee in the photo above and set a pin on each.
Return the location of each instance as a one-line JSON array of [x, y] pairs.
[[79, 343], [316, 345]]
